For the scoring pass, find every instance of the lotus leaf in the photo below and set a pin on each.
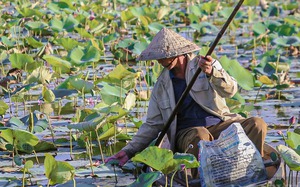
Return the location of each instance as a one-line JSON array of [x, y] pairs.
[[29, 12], [129, 101], [187, 159], [40, 75], [57, 172], [146, 179], [7, 42], [36, 26], [18, 137], [244, 78], [28, 164], [287, 41], [33, 42], [81, 85], [290, 157], [122, 77], [48, 95], [158, 158], [3, 107], [67, 43], [67, 24], [293, 140], [112, 93], [84, 56], [22, 61]]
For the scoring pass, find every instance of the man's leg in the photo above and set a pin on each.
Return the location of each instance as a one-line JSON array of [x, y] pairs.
[[187, 142]]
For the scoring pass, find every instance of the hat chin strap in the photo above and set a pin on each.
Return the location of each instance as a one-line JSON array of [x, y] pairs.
[[170, 63]]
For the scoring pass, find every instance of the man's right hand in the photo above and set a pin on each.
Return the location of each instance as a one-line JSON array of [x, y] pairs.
[[121, 156]]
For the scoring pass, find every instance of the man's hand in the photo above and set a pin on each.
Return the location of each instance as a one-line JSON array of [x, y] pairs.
[[205, 63], [121, 156]]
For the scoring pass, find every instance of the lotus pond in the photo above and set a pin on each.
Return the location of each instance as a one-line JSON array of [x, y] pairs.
[[72, 93]]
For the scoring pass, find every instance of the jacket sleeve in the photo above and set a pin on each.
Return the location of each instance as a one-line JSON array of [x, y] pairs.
[[148, 131], [222, 82]]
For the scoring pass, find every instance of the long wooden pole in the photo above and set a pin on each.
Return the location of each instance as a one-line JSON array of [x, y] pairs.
[[191, 83]]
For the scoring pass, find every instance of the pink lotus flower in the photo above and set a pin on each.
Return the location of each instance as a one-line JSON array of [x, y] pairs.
[[292, 120]]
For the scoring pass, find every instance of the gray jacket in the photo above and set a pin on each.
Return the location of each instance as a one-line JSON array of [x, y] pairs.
[[208, 92]]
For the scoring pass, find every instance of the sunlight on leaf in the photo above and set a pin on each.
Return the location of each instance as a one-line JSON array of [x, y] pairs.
[[57, 172], [157, 158], [290, 157], [40, 75]]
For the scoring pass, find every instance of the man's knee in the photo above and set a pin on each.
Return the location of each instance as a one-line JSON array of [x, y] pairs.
[[258, 124]]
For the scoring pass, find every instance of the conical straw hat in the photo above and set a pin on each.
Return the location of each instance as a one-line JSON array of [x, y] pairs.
[[166, 44]]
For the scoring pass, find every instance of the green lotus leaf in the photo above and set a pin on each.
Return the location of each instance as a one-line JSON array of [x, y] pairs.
[[205, 27], [67, 24], [139, 47], [18, 137], [83, 33], [293, 140], [129, 102], [290, 157], [59, 65], [146, 179], [293, 20], [22, 61], [121, 77], [244, 78], [158, 158], [43, 146], [265, 80], [29, 12], [112, 93], [126, 15], [67, 43], [57, 172], [33, 42], [48, 95], [7, 42], [36, 26], [67, 83], [259, 29], [3, 107], [189, 160], [40, 75], [251, 2], [81, 85], [28, 164], [287, 41], [108, 133], [155, 27], [84, 56]]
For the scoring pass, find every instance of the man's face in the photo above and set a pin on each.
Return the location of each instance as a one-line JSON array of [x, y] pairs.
[[167, 62]]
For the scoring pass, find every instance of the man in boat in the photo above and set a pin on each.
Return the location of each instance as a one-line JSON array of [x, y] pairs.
[[203, 114]]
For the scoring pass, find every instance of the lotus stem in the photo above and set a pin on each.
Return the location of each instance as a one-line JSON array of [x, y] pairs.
[[74, 182], [23, 178], [50, 127], [172, 178], [166, 185], [71, 146], [115, 173], [36, 158], [100, 146], [87, 146], [186, 177]]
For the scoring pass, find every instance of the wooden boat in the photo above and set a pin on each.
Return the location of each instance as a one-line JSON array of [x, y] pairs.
[[275, 171]]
